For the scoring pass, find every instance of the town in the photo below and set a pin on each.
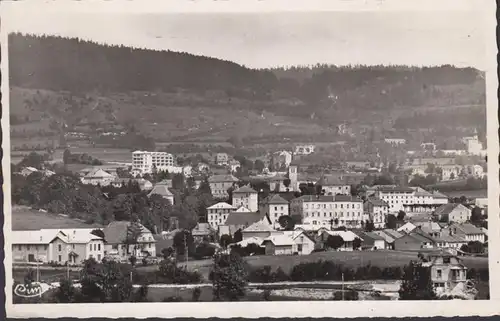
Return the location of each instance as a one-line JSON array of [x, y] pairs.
[[273, 206]]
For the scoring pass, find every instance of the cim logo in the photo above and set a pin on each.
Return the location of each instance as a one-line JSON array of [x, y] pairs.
[[31, 290]]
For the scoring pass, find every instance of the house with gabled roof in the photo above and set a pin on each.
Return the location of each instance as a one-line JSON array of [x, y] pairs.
[[241, 219], [468, 231], [219, 184], [261, 229], [247, 197], [119, 244], [333, 185], [377, 210], [414, 241], [218, 213], [275, 206], [98, 176], [163, 191], [453, 213], [289, 243]]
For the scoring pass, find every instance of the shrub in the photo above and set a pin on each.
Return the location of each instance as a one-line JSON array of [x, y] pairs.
[[196, 294], [267, 295], [170, 273], [349, 295], [229, 277], [173, 298]]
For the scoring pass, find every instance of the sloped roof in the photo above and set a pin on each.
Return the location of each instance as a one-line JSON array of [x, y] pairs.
[[467, 228], [259, 227], [446, 208], [220, 205], [242, 209], [243, 218], [98, 173], [34, 237], [330, 180], [222, 178], [437, 194], [245, 189], [406, 226], [376, 201], [429, 227], [347, 236], [161, 189], [450, 238], [393, 233], [419, 191], [250, 240], [202, 229], [116, 232], [279, 240], [81, 236], [388, 238], [398, 189], [276, 199], [347, 198]]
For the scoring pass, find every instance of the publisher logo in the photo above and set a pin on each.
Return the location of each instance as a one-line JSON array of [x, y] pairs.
[[31, 290]]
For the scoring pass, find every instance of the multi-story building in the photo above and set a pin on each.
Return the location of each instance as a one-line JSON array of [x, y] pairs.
[[329, 210], [98, 177], [219, 184], [446, 271], [56, 245], [221, 159], [453, 213], [144, 162], [275, 206], [333, 185], [377, 211], [396, 197], [218, 213], [247, 197]]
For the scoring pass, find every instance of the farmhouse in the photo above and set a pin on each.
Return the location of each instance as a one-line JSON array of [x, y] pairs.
[[347, 236], [289, 243], [413, 242], [468, 231], [446, 271]]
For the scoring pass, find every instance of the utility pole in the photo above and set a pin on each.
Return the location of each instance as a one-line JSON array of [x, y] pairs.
[[186, 248], [342, 286]]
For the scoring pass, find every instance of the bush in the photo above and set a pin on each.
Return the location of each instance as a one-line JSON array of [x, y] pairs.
[[229, 277], [267, 295], [349, 295], [170, 273], [196, 294]]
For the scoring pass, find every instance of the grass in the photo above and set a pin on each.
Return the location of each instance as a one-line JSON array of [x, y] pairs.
[[24, 218]]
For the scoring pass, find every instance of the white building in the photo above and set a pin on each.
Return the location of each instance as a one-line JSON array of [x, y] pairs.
[[377, 210], [144, 162], [98, 177], [282, 158], [247, 197], [56, 245], [221, 159], [304, 149], [329, 210], [453, 213], [396, 197], [289, 243], [395, 141], [275, 206], [333, 185], [218, 213], [120, 244]]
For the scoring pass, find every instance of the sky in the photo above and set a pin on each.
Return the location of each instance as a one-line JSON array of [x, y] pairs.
[[262, 40]]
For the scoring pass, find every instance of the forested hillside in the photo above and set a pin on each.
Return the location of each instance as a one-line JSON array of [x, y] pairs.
[[187, 96]]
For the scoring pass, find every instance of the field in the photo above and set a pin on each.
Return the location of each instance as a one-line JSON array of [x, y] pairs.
[[24, 218]]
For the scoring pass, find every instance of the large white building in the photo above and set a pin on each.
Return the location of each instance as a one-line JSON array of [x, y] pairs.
[[145, 162], [329, 210], [218, 213], [304, 149], [396, 197]]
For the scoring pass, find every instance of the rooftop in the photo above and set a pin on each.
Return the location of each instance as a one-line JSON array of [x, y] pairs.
[[161, 189], [222, 178], [245, 189], [220, 205]]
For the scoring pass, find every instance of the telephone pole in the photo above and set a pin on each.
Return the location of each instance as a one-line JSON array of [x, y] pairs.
[[186, 248], [342, 286]]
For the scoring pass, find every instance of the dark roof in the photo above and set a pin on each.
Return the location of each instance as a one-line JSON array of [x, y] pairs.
[[161, 189], [467, 228], [244, 218], [377, 201], [116, 232], [330, 180], [346, 198]]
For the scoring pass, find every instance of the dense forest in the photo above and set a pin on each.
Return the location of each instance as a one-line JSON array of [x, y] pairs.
[[55, 63]]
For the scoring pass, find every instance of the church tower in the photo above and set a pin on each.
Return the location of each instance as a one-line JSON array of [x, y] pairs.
[[292, 175]]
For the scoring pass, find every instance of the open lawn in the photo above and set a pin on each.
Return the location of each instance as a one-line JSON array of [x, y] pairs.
[[24, 218]]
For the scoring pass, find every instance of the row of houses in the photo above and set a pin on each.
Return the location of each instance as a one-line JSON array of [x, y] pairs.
[[73, 246]]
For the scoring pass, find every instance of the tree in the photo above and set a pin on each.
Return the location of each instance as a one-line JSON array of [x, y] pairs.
[[286, 183], [476, 215], [416, 283], [286, 222], [225, 240], [369, 226], [356, 243], [134, 231], [401, 215], [229, 277], [259, 165], [391, 221], [452, 176], [238, 236], [183, 240], [334, 241], [66, 156]]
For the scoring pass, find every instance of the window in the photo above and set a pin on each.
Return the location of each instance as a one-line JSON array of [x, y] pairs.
[[59, 248], [60, 258], [446, 260], [439, 274], [73, 246], [99, 247]]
